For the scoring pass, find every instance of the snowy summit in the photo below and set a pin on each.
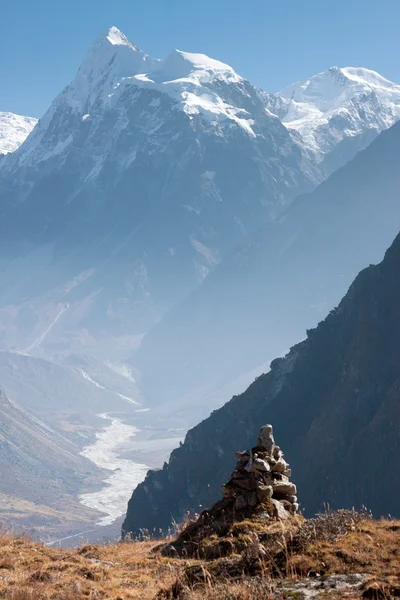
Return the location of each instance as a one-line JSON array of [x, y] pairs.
[[14, 129], [149, 172], [343, 104], [117, 38], [331, 89]]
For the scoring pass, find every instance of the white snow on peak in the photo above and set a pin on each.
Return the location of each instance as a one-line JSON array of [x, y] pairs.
[[117, 38], [195, 81], [180, 65], [14, 129], [111, 57], [360, 75], [329, 89], [339, 103], [190, 80]]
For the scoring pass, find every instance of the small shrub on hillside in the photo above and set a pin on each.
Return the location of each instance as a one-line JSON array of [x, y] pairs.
[[330, 525]]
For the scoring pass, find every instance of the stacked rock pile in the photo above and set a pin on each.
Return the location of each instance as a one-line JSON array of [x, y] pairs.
[[259, 487], [262, 478]]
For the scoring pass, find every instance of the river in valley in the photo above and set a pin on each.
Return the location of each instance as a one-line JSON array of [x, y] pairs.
[[112, 442]]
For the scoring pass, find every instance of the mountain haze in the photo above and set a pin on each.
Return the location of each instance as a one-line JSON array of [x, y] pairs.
[[166, 230], [41, 474], [140, 177], [265, 294], [334, 404]]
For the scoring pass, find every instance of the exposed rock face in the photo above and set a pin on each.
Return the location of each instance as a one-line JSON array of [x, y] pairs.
[[261, 477], [334, 401]]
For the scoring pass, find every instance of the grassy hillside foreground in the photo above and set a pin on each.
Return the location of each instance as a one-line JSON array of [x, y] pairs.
[[335, 555]]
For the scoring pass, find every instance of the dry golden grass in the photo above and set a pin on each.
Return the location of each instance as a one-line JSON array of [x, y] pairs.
[[30, 571]]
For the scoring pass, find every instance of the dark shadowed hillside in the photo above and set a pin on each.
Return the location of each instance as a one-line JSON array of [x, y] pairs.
[[334, 401]]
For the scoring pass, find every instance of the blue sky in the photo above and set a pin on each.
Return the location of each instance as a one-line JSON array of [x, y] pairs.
[[272, 43]]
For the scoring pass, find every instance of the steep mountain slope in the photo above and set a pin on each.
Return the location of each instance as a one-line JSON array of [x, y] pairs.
[[14, 129], [338, 112], [335, 405], [41, 473], [261, 299], [138, 179]]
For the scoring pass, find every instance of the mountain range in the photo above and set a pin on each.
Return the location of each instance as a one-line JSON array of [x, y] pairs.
[[137, 181], [115, 230], [167, 229]]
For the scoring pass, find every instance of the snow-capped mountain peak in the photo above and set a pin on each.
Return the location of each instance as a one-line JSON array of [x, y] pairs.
[[330, 89], [117, 38], [367, 77], [180, 65], [14, 129], [139, 179], [343, 107], [110, 58], [199, 86]]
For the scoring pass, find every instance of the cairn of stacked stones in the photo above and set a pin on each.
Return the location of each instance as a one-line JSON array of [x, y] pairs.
[[262, 479]]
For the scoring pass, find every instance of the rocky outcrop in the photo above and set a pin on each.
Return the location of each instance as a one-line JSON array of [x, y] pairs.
[[334, 402], [261, 478]]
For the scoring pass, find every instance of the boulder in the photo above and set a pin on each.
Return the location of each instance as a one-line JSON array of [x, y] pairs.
[[280, 511], [261, 465], [252, 499], [280, 466], [249, 484], [283, 488], [266, 439], [240, 503], [264, 493], [291, 498], [228, 491]]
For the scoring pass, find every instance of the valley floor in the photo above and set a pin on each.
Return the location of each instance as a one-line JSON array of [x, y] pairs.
[[363, 561], [122, 453]]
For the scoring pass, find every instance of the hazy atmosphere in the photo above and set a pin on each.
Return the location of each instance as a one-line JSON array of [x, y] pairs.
[[199, 252]]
